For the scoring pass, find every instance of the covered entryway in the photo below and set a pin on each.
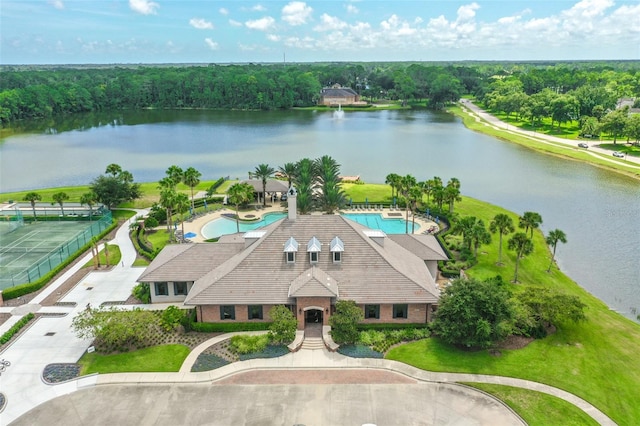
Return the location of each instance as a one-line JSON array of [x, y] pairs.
[[313, 320]]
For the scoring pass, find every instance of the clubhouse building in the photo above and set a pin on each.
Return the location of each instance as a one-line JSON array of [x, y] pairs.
[[307, 263]]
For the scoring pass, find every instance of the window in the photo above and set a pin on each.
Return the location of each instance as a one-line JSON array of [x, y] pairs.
[[313, 257], [291, 257], [400, 311], [337, 257], [227, 312], [255, 312], [337, 247], [180, 288], [162, 289], [372, 311]]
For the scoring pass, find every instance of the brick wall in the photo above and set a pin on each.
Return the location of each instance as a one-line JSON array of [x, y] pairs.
[[417, 313], [305, 302], [211, 313]]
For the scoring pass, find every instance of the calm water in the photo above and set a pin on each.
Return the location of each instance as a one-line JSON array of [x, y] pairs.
[[598, 210]]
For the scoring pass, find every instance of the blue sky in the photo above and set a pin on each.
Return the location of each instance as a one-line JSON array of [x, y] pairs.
[[178, 31]]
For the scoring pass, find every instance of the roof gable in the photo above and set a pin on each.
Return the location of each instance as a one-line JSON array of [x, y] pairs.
[[313, 282]]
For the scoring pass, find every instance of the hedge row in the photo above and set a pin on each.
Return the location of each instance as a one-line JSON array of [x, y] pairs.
[[16, 327], [22, 289], [229, 327], [389, 326]]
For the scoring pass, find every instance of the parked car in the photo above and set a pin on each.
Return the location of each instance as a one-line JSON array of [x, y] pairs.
[[283, 197], [618, 154], [583, 145]]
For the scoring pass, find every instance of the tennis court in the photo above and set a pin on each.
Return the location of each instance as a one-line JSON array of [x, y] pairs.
[[33, 249]]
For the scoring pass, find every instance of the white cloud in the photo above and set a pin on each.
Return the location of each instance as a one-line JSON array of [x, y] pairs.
[[200, 24], [211, 44], [235, 23], [258, 8], [262, 24], [352, 9], [330, 23], [145, 7], [223, 11], [58, 4], [273, 37], [296, 13]]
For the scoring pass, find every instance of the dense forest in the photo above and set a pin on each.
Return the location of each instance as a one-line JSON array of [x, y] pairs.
[[562, 92]]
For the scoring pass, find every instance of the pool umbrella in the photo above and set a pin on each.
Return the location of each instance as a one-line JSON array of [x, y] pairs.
[[190, 235]]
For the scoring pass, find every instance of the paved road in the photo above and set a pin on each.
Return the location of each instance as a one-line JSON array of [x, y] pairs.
[[482, 115]]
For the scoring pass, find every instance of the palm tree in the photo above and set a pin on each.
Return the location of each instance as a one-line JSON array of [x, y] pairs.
[[289, 170], [464, 226], [304, 182], [327, 172], [60, 198], [478, 236], [32, 197], [451, 194], [530, 220], [191, 178], [502, 224], [168, 196], [552, 239], [406, 183], [415, 195], [89, 199], [264, 172], [113, 169], [393, 180], [181, 206], [523, 246], [175, 174], [239, 193]]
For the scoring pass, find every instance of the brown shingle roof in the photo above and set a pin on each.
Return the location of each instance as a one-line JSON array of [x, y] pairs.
[[367, 273], [313, 282], [426, 247]]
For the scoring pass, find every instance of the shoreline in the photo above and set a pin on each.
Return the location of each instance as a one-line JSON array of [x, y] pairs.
[[469, 110]]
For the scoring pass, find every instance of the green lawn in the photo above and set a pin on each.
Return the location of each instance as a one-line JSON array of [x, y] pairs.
[[114, 256], [558, 149], [596, 359], [164, 358], [536, 408], [375, 193]]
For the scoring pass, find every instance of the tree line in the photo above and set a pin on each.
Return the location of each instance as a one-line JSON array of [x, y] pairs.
[[48, 92]]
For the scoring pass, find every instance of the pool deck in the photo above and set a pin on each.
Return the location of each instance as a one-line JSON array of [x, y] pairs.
[[198, 223]]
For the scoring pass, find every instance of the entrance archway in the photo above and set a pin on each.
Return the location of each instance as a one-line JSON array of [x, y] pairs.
[[313, 319]]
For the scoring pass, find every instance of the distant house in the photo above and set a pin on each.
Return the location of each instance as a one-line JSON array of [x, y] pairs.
[[306, 263], [273, 186], [338, 95]]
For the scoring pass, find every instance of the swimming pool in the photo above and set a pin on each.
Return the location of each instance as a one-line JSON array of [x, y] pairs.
[[376, 221], [224, 225]]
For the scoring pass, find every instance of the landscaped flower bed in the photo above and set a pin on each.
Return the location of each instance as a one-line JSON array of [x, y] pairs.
[[56, 373], [206, 362], [268, 352], [359, 351]]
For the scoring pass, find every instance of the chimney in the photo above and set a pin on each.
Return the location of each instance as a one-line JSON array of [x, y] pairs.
[[291, 203]]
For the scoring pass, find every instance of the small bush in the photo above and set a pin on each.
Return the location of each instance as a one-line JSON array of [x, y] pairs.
[[229, 327], [283, 327], [382, 340], [142, 292], [16, 328], [171, 318], [244, 344]]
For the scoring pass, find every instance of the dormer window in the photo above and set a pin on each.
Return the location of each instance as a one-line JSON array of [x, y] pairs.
[[314, 248], [337, 247], [290, 249]]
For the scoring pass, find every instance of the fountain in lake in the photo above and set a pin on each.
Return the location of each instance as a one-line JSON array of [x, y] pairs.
[[339, 114]]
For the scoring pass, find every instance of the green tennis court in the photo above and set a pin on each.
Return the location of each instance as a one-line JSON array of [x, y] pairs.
[[31, 250]]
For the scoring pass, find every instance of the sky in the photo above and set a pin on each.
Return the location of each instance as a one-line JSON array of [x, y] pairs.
[[238, 31]]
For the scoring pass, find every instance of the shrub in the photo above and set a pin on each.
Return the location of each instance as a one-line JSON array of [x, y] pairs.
[[344, 323], [15, 328], [171, 318], [283, 327], [245, 344], [150, 222], [229, 327], [142, 292]]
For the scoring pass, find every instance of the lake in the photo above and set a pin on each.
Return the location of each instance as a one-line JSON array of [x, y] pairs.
[[597, 209]]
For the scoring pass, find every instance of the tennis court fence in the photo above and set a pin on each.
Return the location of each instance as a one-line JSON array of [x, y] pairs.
[[51, 257]]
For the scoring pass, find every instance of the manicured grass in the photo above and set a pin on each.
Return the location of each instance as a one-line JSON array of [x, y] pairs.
[[375, 193], [164, 358], [562, 150], [536, 408], [141, 262], [596, 359], [158, 238], [114, 256], [123, 214]]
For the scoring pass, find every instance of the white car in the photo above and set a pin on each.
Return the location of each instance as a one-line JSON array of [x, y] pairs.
[[618, 154], [583, 145]]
